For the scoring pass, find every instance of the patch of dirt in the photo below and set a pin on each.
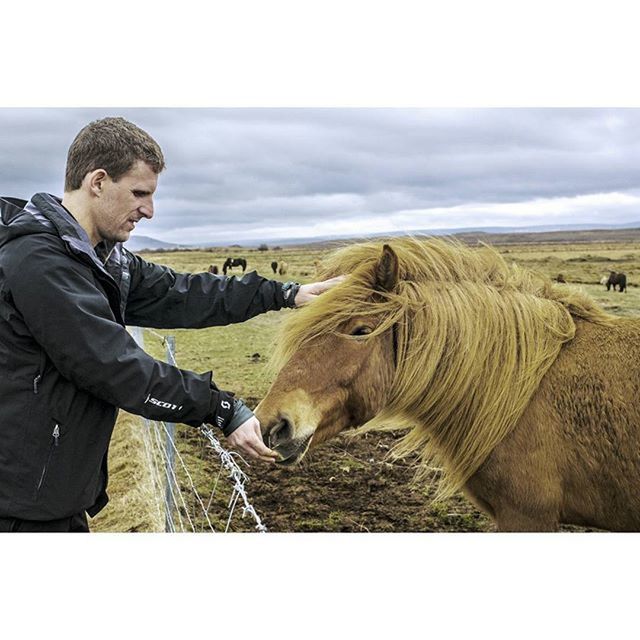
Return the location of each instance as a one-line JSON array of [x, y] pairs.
[[350, 485]]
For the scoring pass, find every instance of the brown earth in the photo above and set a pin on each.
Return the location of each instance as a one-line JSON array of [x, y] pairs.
[[351, 485], [347, 485]]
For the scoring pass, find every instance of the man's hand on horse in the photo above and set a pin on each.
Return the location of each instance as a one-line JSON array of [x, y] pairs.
[[248, 439], [309, 292]]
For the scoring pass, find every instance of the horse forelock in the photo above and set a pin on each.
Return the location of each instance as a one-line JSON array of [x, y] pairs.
[[475, 336]]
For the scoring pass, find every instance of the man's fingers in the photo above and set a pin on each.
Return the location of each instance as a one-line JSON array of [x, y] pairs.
[[248, 438], [258, 443], [251, 449], [327, 284], [317, 288], [250, 442], [261, 450], [264, 459], [254, 455], [257, 454]]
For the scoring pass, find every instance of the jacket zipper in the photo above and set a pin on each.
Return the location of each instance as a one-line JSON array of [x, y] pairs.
[[54, 443], [38, 378]]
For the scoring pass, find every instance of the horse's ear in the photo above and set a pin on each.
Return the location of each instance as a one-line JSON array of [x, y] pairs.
[[387, 270]]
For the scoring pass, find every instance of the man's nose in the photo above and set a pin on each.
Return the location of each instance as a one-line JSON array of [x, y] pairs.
[[146, 210]]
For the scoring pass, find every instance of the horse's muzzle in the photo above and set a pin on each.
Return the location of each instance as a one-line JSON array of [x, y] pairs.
[[280, 438]]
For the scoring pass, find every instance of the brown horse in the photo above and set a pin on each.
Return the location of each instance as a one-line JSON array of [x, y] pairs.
[[617, 280], [229, 263], [525, 392]]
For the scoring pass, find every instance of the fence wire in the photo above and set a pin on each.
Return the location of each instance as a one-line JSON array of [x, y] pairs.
[[178, 476]]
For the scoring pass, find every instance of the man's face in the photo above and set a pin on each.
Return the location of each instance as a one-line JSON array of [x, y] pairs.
[[125, 202]]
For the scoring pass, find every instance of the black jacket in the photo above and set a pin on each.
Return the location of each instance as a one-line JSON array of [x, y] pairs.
[[67, 362]]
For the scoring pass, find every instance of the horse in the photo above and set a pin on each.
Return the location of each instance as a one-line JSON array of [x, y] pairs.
[[213, 269], [560, 278], [282, 269], [523, 391], [229, 263], [617, 279], [274, 267]]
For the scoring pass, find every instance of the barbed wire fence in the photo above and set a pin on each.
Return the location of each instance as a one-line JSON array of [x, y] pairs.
[[181, 478]]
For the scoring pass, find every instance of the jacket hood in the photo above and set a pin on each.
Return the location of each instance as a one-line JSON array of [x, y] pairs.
[[45, 213], [19, 218]]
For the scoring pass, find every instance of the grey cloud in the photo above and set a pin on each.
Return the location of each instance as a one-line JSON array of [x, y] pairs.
[[242, 168]]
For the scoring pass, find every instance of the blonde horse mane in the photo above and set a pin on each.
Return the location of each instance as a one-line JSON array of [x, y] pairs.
[[475, 336]]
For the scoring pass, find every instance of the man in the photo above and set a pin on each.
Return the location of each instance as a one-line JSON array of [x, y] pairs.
[[67, 289]]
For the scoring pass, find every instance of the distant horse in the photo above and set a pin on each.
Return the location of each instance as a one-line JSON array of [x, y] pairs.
[[274, 266], [213, 268], [501, 377], [282, 269], [229, 263], [617, 279], [560, 278]]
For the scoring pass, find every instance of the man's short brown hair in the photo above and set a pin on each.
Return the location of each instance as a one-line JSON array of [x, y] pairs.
[[112, 144]]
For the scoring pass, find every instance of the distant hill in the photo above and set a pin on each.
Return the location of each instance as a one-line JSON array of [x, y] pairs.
[[139, 243], [575, 236], [572, 234], [629, 232], [590, 232]]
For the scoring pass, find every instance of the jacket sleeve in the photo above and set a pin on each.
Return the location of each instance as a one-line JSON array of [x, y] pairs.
[[159, 297], [69, 316]]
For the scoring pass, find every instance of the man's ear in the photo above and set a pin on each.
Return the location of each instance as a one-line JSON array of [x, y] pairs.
[[95, 181], [387, 270]]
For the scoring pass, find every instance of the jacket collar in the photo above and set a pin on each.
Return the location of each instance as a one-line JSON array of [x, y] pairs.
[[49, 207]]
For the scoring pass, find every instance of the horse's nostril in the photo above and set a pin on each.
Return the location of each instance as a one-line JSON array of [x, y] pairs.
[[281, 432]]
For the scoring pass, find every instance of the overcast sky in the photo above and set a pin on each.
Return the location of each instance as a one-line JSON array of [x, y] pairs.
[[252, 175]]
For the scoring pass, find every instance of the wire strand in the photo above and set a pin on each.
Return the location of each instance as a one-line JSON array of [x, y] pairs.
[[236, 475]]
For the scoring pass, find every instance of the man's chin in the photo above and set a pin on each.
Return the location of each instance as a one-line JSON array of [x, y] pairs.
[[122, 236]]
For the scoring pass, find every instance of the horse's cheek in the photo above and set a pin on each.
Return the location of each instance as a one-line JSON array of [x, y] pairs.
[[377, 376]]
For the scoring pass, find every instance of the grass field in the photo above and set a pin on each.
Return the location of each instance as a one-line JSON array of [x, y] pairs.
[[347, 485]]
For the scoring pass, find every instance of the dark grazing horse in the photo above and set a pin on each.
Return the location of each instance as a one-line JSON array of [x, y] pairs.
[[502, 378], [213, 268], [617, 279], [274, 266], [229, 263]]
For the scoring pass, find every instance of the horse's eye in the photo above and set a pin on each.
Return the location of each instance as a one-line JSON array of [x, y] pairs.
[[361, 331]]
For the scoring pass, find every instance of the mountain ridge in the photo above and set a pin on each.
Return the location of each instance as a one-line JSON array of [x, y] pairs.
[[585, 232]]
